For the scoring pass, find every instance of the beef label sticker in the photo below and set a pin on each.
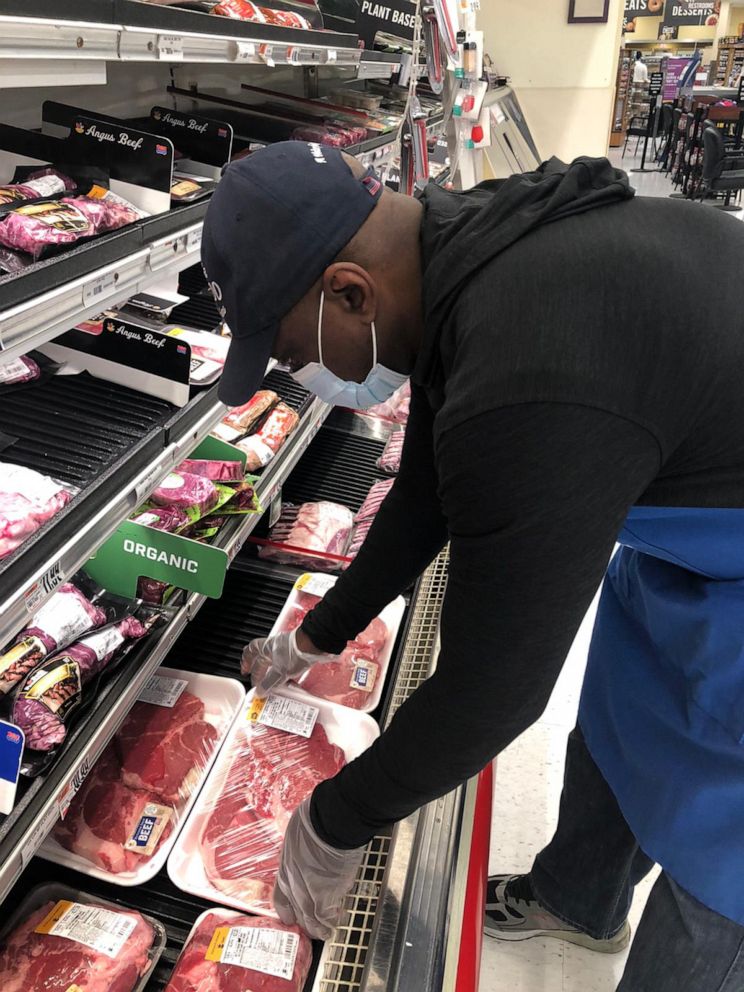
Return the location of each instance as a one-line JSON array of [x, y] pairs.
[[163, 691]]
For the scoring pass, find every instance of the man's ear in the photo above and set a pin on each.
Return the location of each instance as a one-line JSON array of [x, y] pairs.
[[350, 286]]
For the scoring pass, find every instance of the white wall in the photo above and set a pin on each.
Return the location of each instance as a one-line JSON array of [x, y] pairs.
[[564, 74]]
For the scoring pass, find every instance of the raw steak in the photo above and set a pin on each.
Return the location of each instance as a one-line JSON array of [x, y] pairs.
[[27, 500], [163, 748], [168, 518], [37, 962], [193, 494], [366, 515], [357, 664], [62, 619], [51, 692], [194, 973], [269, 774], [268, 439], [242, 419], [217, 471], [322, 527], [389, 460], [103, 817]]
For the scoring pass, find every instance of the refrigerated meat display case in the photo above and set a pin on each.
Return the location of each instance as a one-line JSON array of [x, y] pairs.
[[414, 917]]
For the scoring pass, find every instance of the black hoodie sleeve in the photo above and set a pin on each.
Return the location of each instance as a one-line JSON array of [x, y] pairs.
[[408, 532], [535, 496]]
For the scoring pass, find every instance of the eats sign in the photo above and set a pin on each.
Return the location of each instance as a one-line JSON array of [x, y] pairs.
[[640, 8]]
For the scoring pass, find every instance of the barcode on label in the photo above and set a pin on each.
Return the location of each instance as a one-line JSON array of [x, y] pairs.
[[99, 287], [272, 952], [170, 46], [246, 51], [285, 714], [315, 584], [162, 691], [101, 929]]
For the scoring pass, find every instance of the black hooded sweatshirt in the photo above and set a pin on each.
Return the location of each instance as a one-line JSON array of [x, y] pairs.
[[574, 364]]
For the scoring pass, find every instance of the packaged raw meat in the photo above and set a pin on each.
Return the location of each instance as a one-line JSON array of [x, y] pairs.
[[357, 677], [245, 499], [62, 940], [323, 135], [396, 408], [43, 184], [14, 261], [227, 952], [21, 369], [313, 535], [268, 439], [154, 592], [389, 460], [193, 494], [242, 419], [171, 519], [35, 227], [27, 500], [50, 692], [217, 471], [229, 849], [366, 515], [65, 617], [123, 822], [285, 18], [242, 10]]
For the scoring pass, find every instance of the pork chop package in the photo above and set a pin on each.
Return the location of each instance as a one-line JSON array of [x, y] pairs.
[[229, 849], [313, 535], [261, 446], [389, 460], [364, 519], [66, 616], [62, 939], [228, 952], [43, 225], [122, 824], [28, 500], [241, 420], [356, 677]]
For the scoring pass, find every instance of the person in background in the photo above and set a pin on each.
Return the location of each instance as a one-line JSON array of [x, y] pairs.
[[640, 71], [553, 413]]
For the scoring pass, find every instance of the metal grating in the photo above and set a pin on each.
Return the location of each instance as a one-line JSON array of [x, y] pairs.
[[198, 311], [347, 951]]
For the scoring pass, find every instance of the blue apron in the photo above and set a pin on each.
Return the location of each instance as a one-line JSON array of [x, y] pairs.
[[662, 709]]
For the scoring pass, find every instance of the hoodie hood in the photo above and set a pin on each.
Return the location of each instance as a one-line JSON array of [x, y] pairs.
[[462, 232]]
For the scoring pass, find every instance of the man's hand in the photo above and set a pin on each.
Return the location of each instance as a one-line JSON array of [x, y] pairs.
[[314, 878], [273, 661]]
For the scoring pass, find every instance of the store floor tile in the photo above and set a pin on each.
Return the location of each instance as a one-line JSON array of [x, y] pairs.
[[529, 778]]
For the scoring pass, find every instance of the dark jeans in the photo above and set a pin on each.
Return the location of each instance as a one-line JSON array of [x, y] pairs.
[[586, 877]]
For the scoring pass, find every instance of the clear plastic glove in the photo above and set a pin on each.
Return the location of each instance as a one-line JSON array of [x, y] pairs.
[[314, 878], [273, 661]]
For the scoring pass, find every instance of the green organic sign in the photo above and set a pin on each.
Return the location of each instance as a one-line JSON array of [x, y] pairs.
[[213, 449], [134, 550]]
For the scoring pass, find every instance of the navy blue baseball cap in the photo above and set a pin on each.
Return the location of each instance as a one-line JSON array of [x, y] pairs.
[[276, 221]]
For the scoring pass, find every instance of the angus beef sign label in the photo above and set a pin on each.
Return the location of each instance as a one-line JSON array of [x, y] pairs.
[[134, 550]]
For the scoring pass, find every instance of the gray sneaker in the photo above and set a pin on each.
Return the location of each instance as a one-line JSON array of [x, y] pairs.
[[513, 913]]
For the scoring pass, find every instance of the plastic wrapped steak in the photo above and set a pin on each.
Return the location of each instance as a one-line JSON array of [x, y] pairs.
[[37, 226], [257, 954], [27, 500], [63, 619]]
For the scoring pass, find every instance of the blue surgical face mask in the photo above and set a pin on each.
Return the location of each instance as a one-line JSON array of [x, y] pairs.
[[379, 385]]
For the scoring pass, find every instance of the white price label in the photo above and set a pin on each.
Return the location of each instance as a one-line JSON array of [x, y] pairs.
[[246, 51], [272, 952], [103, 930], [98, 288], [162, 691], [315, 584], [170, 47], [42, 827], [194, 240], [285, 714], [267, 54], [43, 587], [150, 481], [332, 55], [69, 791]]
